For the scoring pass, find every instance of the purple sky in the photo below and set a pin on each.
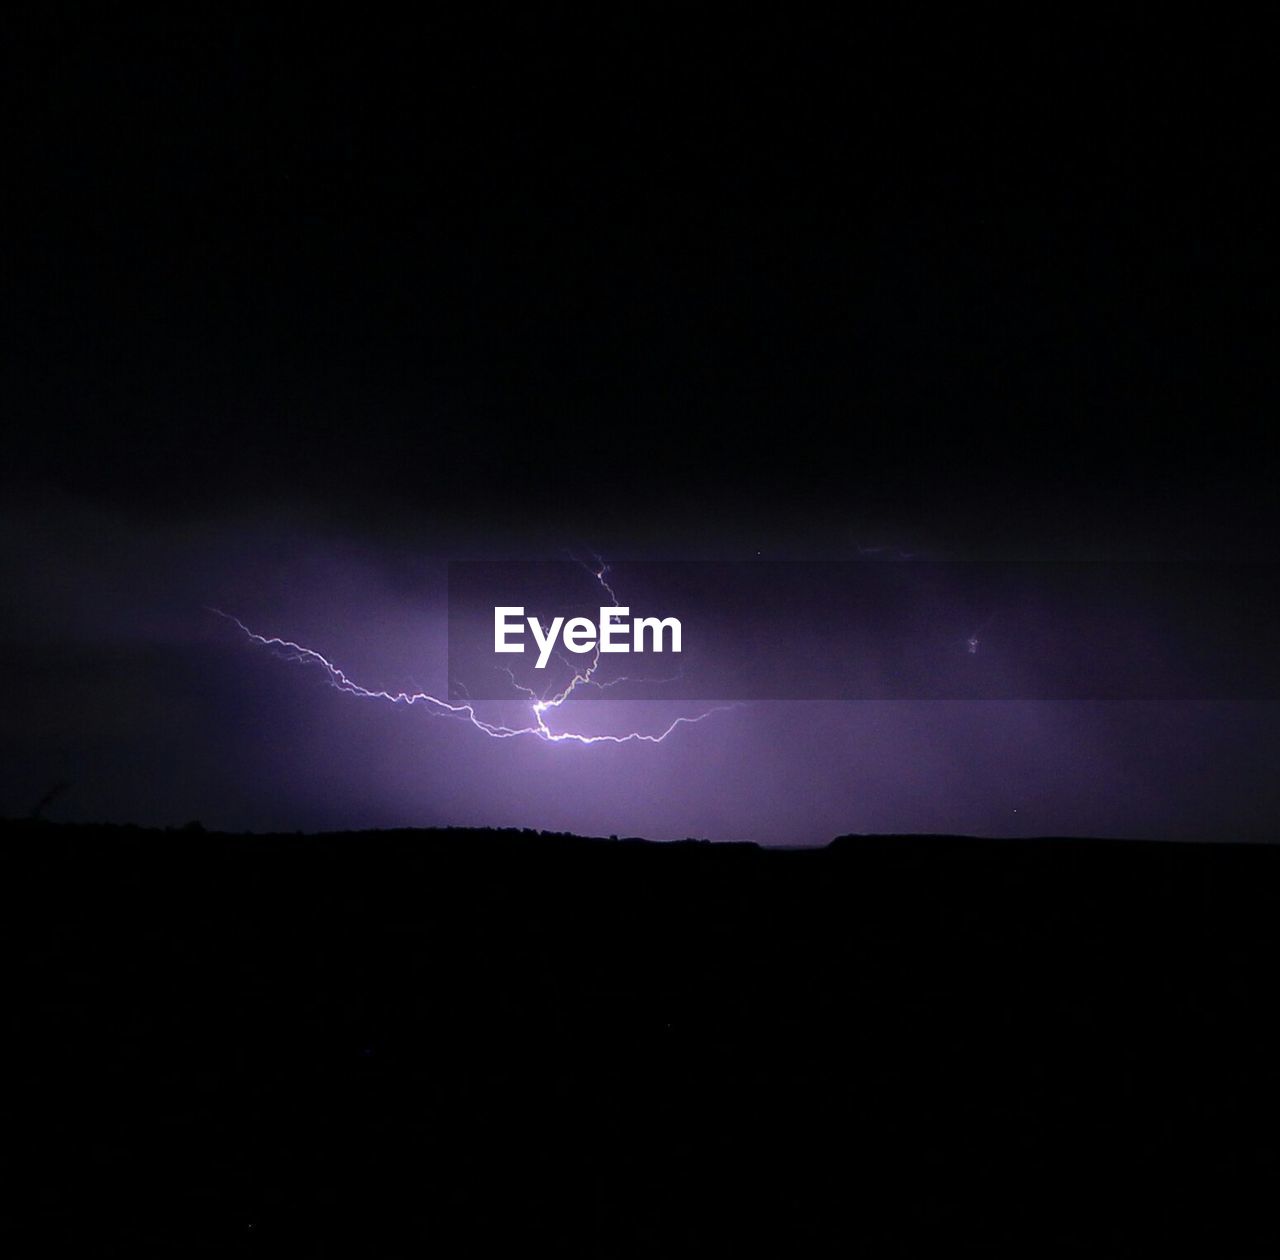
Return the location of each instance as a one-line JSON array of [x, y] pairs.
[[155, 711], [284, 336]]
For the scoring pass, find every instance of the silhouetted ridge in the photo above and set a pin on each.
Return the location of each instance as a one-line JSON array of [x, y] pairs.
[[356, 1039]]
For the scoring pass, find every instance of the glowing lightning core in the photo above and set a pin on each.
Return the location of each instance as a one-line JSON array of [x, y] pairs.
[[538, 705]]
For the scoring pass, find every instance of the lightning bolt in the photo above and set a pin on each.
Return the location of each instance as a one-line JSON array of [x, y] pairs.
[[539, 706]]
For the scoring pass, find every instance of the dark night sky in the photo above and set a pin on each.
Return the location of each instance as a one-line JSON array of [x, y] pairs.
[[294, 312]]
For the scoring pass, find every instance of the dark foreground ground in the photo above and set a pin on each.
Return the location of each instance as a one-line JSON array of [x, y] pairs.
[[477, 1043]]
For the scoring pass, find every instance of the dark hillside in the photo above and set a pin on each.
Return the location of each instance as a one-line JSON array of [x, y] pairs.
[[374, 1044]]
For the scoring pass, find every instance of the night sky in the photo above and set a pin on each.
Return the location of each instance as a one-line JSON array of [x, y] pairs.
[[294, 314]]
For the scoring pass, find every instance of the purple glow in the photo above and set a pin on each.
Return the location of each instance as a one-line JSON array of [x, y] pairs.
[[538, 706], [123, 686]]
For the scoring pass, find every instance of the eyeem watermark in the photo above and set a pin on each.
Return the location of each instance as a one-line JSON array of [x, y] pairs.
[[582, 635], [866, 630]]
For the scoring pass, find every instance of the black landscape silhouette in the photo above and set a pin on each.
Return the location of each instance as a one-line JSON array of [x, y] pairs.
[[491, 1043]]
